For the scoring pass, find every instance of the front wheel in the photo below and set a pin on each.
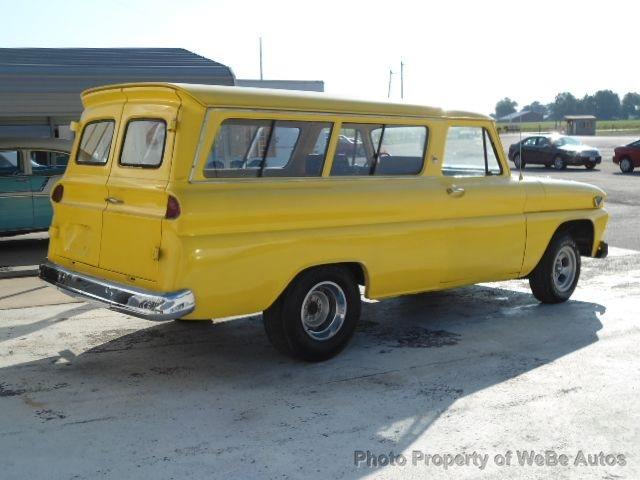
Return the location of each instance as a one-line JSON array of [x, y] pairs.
[[626, 165], [590, 165], [558, 163], [555, 277], [316, 315]]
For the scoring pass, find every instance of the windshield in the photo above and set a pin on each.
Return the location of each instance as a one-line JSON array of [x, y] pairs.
[[567, 141]]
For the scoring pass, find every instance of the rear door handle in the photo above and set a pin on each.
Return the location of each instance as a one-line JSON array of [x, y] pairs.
[[455, 191], [114, 200]]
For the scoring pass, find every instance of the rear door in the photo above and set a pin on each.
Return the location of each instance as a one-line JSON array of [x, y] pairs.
[[136, 199], [16, 211], [78, 217]]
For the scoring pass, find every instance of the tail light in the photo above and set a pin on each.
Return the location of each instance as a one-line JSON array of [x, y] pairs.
[[173, 208], [57, 193]]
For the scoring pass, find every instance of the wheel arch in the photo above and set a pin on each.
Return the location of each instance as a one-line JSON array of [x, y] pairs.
[[582, 231]]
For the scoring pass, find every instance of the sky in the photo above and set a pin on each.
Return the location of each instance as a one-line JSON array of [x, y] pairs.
[[458, 54]]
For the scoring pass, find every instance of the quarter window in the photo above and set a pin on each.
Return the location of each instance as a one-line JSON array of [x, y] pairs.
[[144, 143], [10, 163], [96, 143], [44, 161], [470, 152], [268, 148]]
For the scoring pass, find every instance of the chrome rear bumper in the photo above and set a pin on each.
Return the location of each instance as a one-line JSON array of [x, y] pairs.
[[123, 298]]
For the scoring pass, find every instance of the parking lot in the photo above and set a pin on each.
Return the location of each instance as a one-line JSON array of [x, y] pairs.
[[88, 393]]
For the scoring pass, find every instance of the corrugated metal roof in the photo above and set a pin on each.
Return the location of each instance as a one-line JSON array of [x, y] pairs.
[[47, 82], [305, 85]]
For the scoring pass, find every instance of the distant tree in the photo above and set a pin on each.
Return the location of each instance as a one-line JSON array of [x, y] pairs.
[[631, 105], [504, 107], [587, 106], [536, 107], [607, 105], [564, 104]]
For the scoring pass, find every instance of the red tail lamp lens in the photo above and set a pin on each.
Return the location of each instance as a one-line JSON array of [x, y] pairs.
[[57, 193], [173, 208]]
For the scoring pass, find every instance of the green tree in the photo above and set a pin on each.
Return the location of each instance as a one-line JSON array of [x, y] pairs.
[[587, 106], [564, 104], [504, 107], [631, 105], [536, 107], [607, 105]]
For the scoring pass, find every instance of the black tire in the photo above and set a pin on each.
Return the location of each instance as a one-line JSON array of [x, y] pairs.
[[590, 165], [542, 280], [547, 165], [626, 165], [283, 321], [516, 162], [559, 163]]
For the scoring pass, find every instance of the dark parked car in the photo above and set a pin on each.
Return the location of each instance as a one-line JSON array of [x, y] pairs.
[[555, 151], [628, 157]]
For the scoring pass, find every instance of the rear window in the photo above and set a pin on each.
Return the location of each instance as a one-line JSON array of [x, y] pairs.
[[268, 148], [96, 143], [144, 143]]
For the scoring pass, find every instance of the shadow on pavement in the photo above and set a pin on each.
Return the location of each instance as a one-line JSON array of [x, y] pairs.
[[217, 394], [23, 250]]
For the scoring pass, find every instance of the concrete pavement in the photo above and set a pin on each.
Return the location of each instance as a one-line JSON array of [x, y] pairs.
[[88, 393]]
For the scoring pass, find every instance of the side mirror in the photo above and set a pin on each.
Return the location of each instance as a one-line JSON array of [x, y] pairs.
[[74, 126]]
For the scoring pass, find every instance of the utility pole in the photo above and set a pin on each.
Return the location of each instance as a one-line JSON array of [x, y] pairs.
[[401, 79], [390, 79], [261, 77]]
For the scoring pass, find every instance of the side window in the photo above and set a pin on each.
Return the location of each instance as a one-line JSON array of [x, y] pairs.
[[10, 163], [268, 148], [48, 162], [530, 142], [355, 152], [375, 149], [143, 143], [95, 143], [470, 152], [401, 151]]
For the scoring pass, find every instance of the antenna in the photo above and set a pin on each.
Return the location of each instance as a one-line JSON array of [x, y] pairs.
[[390, 79], [401, 79], [520, 177], [261, 58]]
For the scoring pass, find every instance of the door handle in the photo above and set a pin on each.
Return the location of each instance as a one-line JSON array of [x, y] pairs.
[[455, 191], [114, 200]]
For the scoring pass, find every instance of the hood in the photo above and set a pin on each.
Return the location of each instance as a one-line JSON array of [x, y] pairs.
[[578, 148], [569, 195]]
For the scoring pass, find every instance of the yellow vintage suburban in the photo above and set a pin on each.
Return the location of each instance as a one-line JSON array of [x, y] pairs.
[[200, 202]]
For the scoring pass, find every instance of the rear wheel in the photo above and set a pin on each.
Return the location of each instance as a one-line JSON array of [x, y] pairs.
[[316, 315], [516, 161], [590, 165], [555, 277], [558, 163], [626, 165]]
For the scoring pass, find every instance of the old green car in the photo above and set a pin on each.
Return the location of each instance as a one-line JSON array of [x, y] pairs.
[[29, 167]]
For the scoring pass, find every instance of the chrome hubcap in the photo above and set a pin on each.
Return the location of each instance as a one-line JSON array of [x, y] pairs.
[[323, 311], [558, 163], [564, 268]]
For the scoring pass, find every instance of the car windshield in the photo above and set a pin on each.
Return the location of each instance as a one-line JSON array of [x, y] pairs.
[[567, 141]]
